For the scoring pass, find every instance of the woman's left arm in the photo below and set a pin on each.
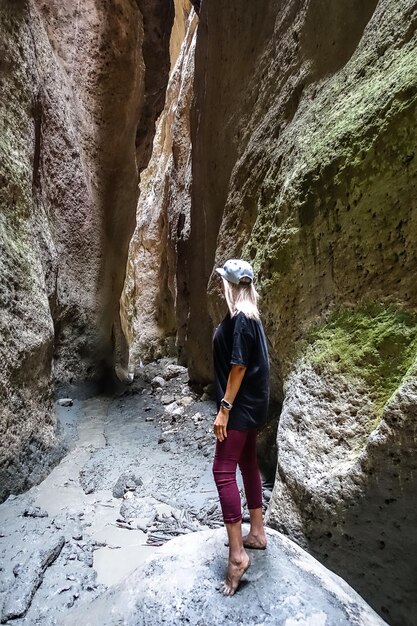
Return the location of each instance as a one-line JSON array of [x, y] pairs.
[[234, 381]]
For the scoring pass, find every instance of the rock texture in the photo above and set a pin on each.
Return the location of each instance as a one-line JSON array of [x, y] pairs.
[[303, 133], [180, 585], [345, 491], [81, 89], [306, 166], [154, 301]]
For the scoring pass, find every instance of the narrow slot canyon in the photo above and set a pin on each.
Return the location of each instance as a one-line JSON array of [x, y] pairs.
[[144, 143]]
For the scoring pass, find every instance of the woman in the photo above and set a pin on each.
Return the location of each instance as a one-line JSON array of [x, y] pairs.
[[241, 368]]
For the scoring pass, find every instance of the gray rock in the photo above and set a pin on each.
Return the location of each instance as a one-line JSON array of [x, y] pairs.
[[186, 401], [103, 469], [128, 481], [34, 511], [180, 585], [174, 409], [29, 576], [139, 508], [167, 398], [158, 381], [346, 484], [173, 370]]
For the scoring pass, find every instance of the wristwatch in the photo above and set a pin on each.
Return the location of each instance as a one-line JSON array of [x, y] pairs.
[[226, 405]]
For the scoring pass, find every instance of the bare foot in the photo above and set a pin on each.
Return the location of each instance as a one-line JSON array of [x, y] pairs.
[[235, 571], [254, 542]]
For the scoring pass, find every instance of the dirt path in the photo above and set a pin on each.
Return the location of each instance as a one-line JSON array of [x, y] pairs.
[[138, 473]]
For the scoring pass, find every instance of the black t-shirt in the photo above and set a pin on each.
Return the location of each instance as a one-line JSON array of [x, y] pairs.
[[239, 340]]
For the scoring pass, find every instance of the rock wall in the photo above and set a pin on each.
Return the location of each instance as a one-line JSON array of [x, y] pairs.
[[304, 135], [177, 586], [154, 301], [82, 86]]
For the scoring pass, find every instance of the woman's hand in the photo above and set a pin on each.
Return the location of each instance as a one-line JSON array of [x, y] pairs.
[[234, 381], [220, 424]]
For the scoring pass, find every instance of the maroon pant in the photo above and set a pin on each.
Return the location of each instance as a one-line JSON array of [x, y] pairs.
[[239, 448]]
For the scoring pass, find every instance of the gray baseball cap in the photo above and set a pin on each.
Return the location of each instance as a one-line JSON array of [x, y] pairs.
[[236, 271]]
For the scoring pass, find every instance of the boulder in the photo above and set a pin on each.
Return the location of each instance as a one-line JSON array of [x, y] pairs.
[[180, 585]]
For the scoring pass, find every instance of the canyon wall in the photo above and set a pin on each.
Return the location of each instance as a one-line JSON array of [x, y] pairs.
[[154, 301], [288, 137], [303, 138], [82, 86]]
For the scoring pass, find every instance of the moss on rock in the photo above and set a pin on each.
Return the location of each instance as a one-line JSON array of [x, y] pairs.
[[375, 343]]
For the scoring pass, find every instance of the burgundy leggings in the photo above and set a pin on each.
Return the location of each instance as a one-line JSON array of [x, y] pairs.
[[239, 448]]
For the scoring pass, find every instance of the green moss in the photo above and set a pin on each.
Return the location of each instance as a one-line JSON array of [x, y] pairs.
[[375, 343]]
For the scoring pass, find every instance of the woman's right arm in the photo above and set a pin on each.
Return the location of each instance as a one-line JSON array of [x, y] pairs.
[[234, 381]]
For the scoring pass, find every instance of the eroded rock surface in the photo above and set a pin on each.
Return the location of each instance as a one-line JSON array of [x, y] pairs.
[[154, 301], [82, 86], [345, 484], [180, 585], [303, 134]]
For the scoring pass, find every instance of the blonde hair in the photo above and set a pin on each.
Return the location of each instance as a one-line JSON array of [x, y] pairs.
[[241, 299]]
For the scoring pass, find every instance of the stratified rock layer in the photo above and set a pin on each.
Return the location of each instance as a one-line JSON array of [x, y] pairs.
[[180, 585], [80, 95]]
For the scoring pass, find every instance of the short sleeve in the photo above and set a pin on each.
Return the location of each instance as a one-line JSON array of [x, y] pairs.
[[243, 340]]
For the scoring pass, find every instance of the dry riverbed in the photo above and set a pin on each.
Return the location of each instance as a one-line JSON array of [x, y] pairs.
[[138, 474]]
